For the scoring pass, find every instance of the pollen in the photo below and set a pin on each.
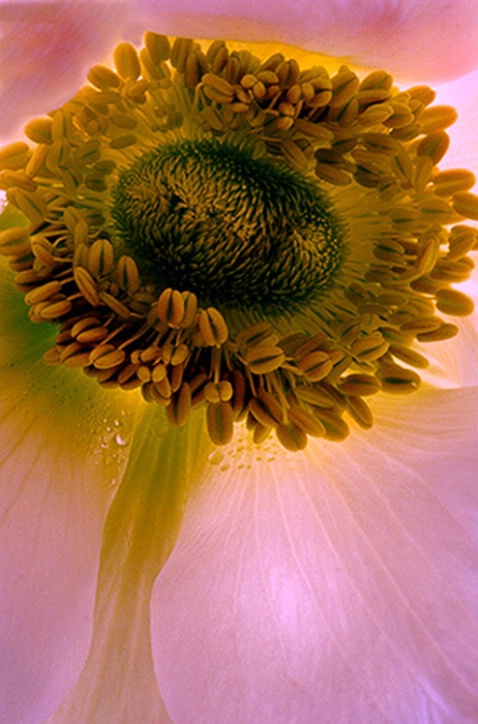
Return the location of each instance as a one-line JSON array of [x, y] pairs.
[[217, 230]]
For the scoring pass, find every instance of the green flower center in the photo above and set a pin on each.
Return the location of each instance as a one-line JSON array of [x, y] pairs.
[[230, 232], [237, 231]]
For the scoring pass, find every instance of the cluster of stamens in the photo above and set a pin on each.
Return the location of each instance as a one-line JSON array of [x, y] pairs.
[[372, 148]]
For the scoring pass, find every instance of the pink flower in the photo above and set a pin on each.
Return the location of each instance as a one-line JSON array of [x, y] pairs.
[[337, 584]]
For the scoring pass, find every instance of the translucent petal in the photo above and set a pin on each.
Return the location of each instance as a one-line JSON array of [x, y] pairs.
[[62, 452], [338, 586], [463, 94], [454, 363], [118, 682], [431, 40], [46, 49]]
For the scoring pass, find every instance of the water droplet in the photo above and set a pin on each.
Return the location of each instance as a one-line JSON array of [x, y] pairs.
[[121, 440], [216, 457]]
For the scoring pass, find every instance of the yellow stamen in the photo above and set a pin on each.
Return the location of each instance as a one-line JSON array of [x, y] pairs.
[[235, 232]]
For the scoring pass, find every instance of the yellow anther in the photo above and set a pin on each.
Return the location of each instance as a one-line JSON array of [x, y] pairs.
[[315, 365], [466, 205], [74, 355], [213, 327], [438, 211], [409, 356], [33, 205], [266, 409], [264, 359], [115, 305], [444, 331], [14, 241], [294, 155], [260, 433], [463, 239], [14, 155], [128, 274], [190, 309], [179, 355], [212, 392], [306, 421], [220, 422], [336, 429], [38, 130], [437, 118], [159, 373], [55, 310], [359, 385], [102, 77], [106, 356], [256, 335], [92, 335], [370, 348], [158, 46], [344, 85], [128, 139], [20, 179], [434, 145], [88, 153], [360, 411], [179, 408], [314, 396], [217, 392], [293, 438], [313, 130], [398, 380], [171, 307], [87, 286], [453, 180], [42, 293], [52, 357], [218, 84], [44, 262], [127, 61], [455, 303], [101, 258], [179, 53]]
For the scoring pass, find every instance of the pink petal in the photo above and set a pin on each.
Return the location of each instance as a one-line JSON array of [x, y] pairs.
[[340, 586], [463, 95], [453, 362], [46, 50], [435, 39], [61, 454]]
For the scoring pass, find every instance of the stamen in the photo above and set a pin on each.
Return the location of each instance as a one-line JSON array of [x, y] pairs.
[[222, 231]]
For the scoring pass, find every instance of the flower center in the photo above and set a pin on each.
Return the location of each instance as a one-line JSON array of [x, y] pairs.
[[231, 232], [237, 231]]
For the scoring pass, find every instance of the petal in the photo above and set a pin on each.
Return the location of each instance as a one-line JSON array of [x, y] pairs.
[[430, 40], [46, 49], [63, 444], [118, 682], [463, 94], [340, 586]]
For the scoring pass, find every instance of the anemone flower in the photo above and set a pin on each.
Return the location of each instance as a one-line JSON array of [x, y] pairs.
[[167, 563]]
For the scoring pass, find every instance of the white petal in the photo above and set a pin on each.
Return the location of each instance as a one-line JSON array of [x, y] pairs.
[[340, 586]]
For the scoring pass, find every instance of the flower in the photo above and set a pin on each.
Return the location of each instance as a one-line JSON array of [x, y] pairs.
[[335, 586]]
